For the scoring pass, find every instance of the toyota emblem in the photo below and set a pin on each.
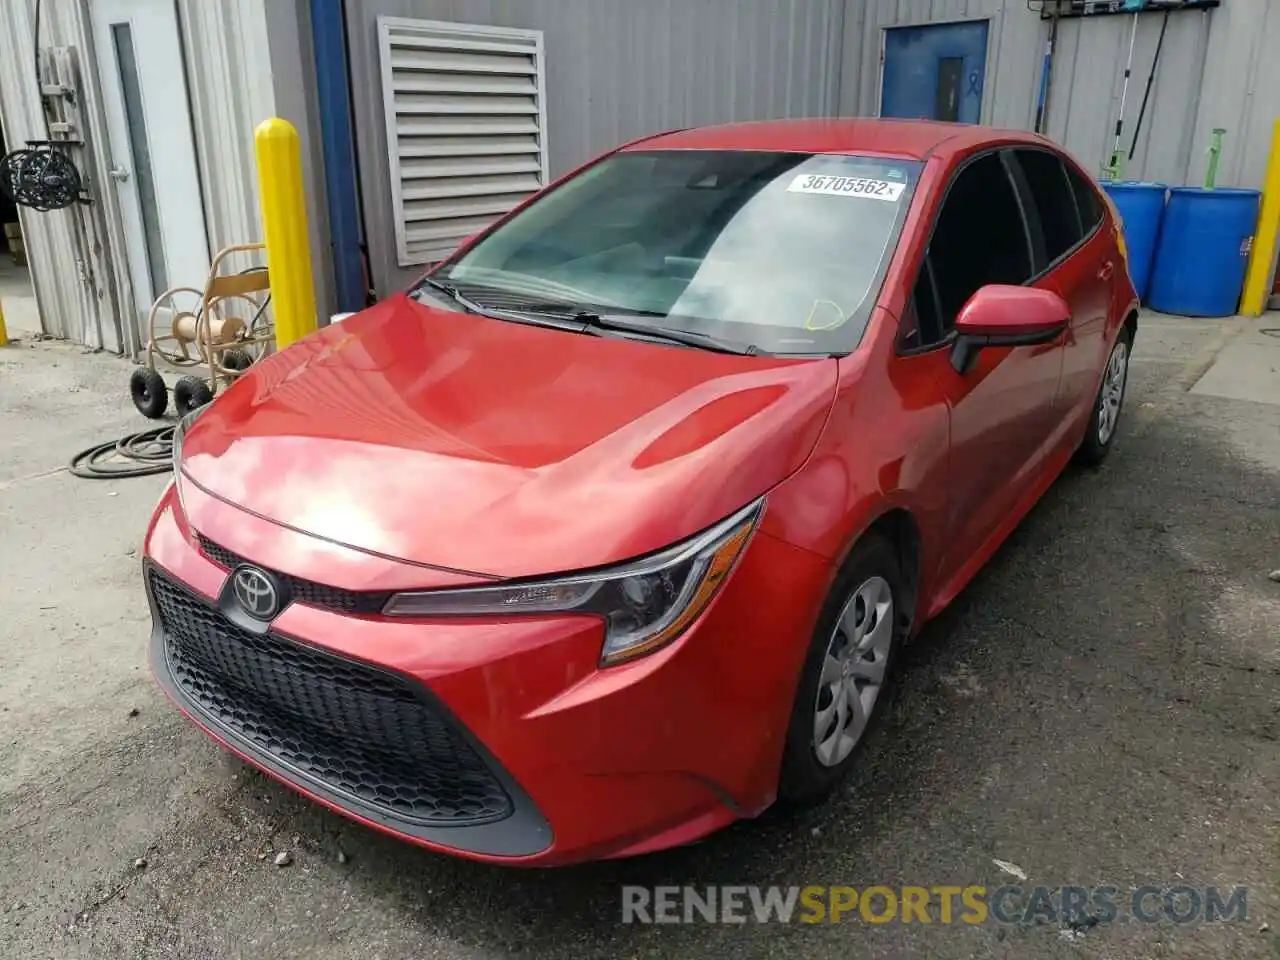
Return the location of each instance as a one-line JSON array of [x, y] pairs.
[[257, 593]]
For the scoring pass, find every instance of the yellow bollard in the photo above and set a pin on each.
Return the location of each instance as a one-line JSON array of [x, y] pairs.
[[1257, 282], [4, 334], [284, 226]]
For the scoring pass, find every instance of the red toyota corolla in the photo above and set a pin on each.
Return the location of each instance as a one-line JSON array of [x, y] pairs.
[[606, 534]]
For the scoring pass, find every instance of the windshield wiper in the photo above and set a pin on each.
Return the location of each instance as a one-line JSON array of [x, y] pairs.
[[597, 321], [494, 313], [689, 338], [450, 291], [594, 320]]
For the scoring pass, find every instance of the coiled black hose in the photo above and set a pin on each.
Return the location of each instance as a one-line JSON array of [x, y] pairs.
[[135, 455], [41, 177]]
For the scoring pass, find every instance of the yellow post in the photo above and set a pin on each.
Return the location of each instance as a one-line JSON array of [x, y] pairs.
[[4, 334], [284, 225], [1257, 282]]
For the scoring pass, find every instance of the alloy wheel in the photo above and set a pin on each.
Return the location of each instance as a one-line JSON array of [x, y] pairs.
[[1109, 399], [853, 671]]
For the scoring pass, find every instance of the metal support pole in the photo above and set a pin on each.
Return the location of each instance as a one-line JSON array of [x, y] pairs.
[[1115, 169], [284, 226], [1257, 282], [1046, 78], [1146, 94]]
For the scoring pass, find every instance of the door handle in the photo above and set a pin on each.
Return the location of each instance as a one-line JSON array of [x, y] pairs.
[[1106, 270], [118, 173]]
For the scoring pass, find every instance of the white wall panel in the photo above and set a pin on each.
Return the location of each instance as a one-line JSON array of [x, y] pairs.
[[248, 60]]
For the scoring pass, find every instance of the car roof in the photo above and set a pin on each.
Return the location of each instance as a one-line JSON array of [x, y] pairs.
[[906, 139]]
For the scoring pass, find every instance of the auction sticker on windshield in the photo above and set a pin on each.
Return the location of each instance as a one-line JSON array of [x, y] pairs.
[[847, 186]]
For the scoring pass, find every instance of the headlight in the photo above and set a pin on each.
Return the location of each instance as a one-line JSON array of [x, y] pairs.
[[645, 604]]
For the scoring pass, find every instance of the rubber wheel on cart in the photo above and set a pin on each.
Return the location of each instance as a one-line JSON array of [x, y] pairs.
[[237, 359], [190, 393], [149, 393]]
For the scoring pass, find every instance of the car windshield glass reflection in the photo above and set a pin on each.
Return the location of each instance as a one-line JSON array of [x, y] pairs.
[[783, 250]]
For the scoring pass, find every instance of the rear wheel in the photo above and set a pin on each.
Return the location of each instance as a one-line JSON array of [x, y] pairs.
[[190, 393], [845, 673], [1108, 404], [236, 359]]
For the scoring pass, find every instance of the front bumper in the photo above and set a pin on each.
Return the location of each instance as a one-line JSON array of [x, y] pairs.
[[500, 741]]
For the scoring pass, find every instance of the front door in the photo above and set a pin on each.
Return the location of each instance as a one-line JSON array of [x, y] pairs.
[[153, 160], [934, 72], [1003, 410]]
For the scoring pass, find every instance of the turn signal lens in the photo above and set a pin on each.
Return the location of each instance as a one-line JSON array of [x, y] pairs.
[[645, 604]]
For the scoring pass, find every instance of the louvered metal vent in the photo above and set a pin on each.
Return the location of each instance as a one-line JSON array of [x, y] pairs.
[[466, 128]]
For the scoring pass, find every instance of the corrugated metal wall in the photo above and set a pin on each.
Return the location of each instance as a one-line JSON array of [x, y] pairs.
[[1241, 90], [616, 69], [229, 79], [71, 252], [1218, 68], [248, 60]]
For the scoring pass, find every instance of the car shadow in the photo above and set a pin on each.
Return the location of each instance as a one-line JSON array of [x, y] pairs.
[[1096, 682]]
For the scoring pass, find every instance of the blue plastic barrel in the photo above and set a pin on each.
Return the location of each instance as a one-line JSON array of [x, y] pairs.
[[1203, 251], [1141, 208]]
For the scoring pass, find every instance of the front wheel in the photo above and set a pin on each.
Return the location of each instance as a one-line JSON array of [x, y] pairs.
[[149, 393], [1108, 404], [845, 673]]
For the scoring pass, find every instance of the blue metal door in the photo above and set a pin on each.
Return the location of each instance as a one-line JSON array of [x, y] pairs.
[[935, 72]]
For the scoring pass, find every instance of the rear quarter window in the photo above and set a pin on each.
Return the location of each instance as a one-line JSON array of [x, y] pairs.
[[1055, 201], [1087, 200]]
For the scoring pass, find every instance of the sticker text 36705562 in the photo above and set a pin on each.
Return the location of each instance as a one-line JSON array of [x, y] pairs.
[[847, 186]]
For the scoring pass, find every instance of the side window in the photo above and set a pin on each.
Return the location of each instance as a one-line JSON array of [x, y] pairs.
[[1087, 201], [980, 237], [1055, 201]]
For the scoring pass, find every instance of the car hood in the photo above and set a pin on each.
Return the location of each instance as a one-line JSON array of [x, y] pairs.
[[496, 448]]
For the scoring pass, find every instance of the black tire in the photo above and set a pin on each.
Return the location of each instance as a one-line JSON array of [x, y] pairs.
[[149, 393], [804, 778], [1094, 447], [236, 359], [190, 393]]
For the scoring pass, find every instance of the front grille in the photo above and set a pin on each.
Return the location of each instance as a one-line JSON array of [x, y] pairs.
[[368, 735], [305, 591]]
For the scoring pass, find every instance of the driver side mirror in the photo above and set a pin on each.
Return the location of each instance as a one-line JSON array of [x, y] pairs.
[[999, 315]]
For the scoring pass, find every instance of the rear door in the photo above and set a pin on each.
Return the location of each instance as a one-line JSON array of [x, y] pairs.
[[1077, 263]]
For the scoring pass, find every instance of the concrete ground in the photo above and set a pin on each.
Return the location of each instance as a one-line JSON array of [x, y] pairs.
[[1102, 706]]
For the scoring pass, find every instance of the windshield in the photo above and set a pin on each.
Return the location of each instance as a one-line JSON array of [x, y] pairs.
[[783, 251]]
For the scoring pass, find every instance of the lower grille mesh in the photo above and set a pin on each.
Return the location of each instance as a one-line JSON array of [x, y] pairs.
[[361, 732]]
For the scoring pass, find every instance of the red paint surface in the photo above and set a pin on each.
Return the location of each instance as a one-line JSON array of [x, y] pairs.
[[411, 447]]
